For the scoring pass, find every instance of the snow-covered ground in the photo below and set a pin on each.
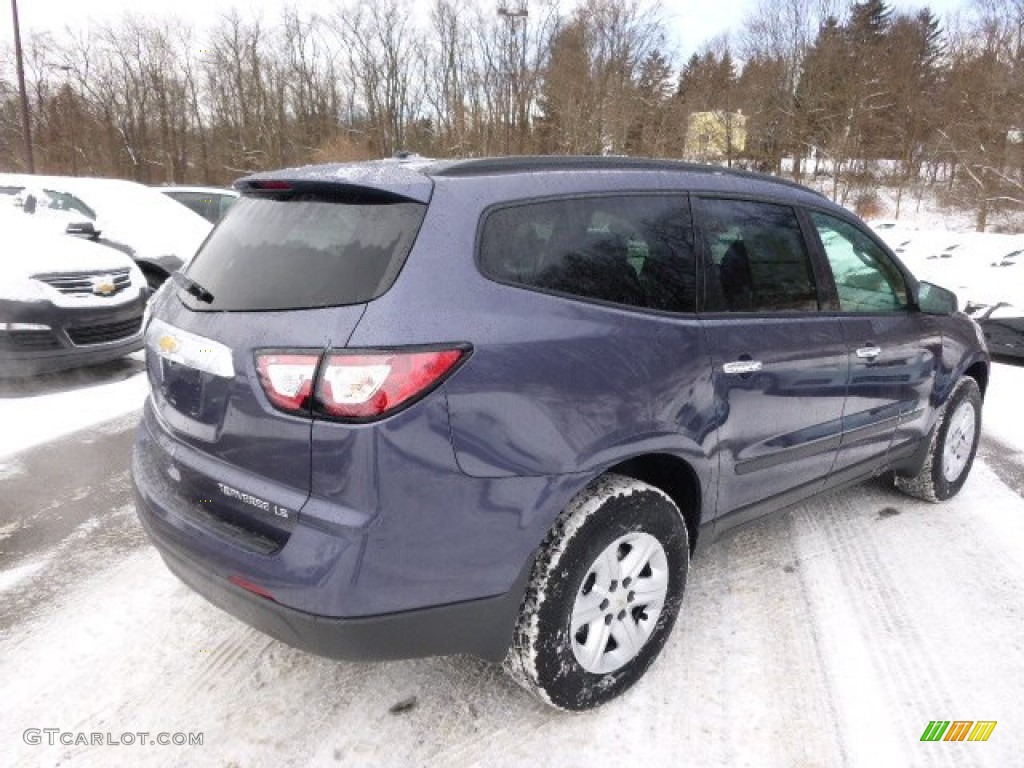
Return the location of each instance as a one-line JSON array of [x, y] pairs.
[[980, 267], [942, 246], [35, 411]]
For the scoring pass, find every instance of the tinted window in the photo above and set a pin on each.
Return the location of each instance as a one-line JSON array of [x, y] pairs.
[[866, 278], [224, 204], [197, 202], [210, 206], [273, 254], [759, 261], [627, 250]]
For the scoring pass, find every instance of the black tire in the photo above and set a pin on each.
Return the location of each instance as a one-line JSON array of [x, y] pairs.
[[543, 657], [932, 483]]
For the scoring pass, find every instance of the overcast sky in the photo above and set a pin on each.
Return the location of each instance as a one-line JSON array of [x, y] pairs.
[[691, 22]]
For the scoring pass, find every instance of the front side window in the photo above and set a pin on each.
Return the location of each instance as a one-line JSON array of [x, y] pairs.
[[631, 250], [758, 260], [866, 278]]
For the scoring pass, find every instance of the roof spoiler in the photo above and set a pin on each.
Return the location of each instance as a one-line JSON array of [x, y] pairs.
[[381, 181]]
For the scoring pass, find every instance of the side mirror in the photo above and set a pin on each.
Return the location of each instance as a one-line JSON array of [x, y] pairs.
[[83, 228], [935, 300]]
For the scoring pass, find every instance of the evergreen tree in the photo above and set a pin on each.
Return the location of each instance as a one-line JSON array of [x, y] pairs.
[[824, 96], [867, 37]]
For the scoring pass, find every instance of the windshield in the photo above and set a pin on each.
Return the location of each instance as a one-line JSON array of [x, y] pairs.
[[64, 201]]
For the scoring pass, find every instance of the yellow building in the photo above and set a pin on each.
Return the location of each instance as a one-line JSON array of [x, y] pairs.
[[713, 136]]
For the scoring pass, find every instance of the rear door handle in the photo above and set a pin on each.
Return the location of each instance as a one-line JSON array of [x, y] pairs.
[[742, 366], [868, 353]]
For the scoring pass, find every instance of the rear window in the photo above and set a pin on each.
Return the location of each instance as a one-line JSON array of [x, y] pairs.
[[304, 252]]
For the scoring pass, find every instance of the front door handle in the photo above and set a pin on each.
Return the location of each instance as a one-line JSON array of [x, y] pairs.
[[742, 366], [869, 352]]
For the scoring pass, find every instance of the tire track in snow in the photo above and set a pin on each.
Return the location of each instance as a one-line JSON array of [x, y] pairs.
[[1005, 461], [888, 621], [753, 637], [87, 515]]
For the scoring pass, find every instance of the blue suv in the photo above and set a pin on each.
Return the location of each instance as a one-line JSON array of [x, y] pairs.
[[415, 407]]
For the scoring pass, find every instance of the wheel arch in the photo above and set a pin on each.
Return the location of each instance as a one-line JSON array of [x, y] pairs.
[[673, 475], [979, 372]]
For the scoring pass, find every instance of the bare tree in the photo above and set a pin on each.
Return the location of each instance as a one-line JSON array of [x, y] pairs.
[[381, 44]]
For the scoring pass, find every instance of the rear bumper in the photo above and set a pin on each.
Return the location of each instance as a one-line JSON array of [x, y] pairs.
[[482, 628], [438, 566]]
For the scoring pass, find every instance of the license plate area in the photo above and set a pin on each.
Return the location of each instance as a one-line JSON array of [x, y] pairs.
[[183, 388]]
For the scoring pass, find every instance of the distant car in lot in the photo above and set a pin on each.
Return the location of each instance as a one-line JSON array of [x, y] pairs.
[[1003, 326], [490, 406], [209, 202], [64, 303], [160, 234]]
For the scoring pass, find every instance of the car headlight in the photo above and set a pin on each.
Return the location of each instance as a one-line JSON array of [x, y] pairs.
[[22, 290]]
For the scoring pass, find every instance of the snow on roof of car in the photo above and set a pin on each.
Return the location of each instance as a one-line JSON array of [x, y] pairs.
[[129, 212], [198, 189]]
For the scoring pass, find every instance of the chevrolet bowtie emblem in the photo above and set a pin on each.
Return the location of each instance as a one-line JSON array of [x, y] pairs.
[[103, 285]]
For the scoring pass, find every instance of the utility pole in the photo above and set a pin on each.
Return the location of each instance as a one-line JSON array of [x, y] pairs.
[[510, 14], [26, 127]]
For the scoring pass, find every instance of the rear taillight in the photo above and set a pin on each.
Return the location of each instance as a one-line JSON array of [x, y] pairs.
[[371, 385], [287, 378], [354, 385]]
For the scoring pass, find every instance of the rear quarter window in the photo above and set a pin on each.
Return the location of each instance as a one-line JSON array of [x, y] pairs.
[[630, 250], [304, 252]]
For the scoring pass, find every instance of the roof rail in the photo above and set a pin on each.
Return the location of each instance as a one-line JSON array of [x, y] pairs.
[[489, 166]]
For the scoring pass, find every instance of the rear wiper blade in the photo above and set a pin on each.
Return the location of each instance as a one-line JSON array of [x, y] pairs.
[[193, 288]]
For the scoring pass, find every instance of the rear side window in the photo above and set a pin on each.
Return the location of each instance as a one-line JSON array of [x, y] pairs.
[[634, 250], [759, 262], [224, 203], [304, 252], [196, 201]]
